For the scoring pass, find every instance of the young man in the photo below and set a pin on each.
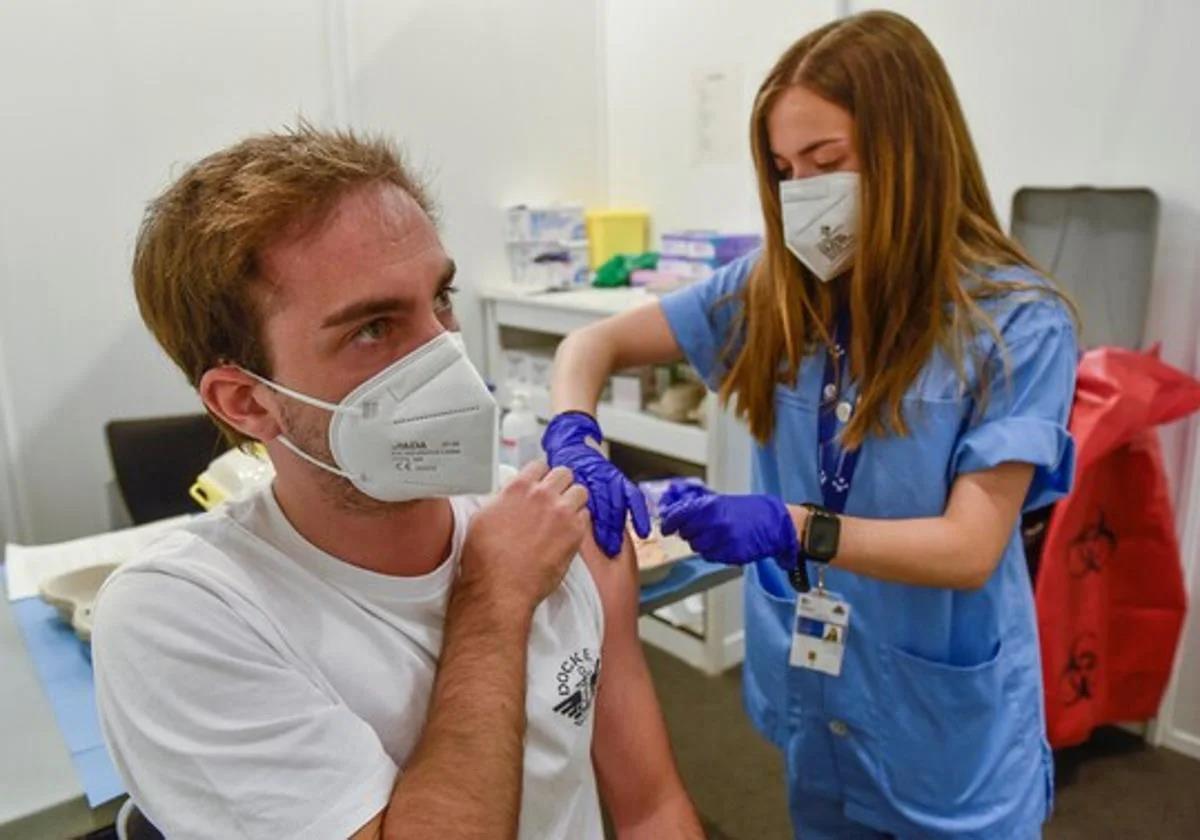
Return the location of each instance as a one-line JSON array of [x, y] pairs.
[[369, 648]]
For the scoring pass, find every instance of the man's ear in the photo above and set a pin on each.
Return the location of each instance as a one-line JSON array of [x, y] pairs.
[[241, 401]]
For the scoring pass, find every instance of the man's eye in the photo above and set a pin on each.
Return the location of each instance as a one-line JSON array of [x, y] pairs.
[[445, 299], [373, 332]]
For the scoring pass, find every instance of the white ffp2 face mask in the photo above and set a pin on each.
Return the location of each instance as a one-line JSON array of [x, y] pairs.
[[820, 221], [423, 427]]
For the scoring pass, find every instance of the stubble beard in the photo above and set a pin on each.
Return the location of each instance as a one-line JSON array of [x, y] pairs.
[[311, 436]]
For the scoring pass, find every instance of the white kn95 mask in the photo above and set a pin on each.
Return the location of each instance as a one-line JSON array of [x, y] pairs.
[[820, 221], [425, 426]]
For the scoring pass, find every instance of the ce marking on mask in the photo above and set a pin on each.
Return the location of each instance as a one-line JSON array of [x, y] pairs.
[[419, 456]]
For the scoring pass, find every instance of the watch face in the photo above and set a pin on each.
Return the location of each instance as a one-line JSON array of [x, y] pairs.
[[823, 537]]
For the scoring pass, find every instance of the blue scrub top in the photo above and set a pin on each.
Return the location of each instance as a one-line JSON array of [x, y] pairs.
[[935, 727]]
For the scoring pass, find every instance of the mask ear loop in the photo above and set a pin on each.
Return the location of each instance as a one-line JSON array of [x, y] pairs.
[[316, 463], [313, 401], [296, 395]]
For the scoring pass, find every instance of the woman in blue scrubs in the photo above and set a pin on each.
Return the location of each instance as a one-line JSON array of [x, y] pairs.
[[906, 374]]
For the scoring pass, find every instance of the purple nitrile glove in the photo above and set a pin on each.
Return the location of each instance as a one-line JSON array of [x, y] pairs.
[[611, 496], [735, 529], [680, 490]]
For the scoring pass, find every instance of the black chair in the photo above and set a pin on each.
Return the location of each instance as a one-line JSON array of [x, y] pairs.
[[156, 460]]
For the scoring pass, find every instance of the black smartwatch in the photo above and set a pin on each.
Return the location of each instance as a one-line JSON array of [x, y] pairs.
[[822, 532], [819, 542]]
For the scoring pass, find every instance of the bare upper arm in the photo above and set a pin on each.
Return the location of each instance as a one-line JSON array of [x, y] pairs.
[[631, 751], [986, 504], [616, 582]]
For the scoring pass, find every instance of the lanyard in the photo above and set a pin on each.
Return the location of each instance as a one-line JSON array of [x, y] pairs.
[[836, 465]]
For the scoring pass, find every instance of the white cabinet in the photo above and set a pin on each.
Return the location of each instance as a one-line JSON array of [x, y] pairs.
[[704, 630]]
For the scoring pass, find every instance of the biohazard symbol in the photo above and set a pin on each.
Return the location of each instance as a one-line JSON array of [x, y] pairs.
[[1079, 675], [1092, 548]]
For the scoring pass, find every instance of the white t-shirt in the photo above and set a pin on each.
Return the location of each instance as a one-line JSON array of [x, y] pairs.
[[251, 685]]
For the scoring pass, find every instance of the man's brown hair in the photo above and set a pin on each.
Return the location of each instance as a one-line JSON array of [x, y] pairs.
[[196, 266]]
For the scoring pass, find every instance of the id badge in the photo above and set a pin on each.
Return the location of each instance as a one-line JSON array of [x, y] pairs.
[[819, 633]]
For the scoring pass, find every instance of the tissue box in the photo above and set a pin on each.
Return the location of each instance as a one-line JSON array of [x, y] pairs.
[[545, 223]]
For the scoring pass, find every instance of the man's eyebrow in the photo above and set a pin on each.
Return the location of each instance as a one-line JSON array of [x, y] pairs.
[[368, 308]]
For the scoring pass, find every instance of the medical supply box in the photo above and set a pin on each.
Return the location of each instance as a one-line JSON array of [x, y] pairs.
[[546, 245], [693, 255]]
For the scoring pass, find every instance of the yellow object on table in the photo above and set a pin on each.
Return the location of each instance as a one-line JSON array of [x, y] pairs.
[[612, 232], [233, 475]]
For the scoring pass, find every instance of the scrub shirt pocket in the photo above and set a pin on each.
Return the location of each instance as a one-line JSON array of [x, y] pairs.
[[951, 734], [769, 619]]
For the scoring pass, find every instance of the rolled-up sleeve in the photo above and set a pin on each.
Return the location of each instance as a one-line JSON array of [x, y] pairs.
[[1032, 383], [703, 315]]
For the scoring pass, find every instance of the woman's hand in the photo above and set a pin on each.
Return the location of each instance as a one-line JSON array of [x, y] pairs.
[[735, 529], [611, 496]]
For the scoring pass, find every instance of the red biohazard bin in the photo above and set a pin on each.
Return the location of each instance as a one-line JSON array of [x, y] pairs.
[[1109, 588]]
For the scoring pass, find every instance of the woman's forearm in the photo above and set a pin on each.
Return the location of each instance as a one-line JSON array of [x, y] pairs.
[[588, 357], [923, 552], [957, 550], [582, 364]]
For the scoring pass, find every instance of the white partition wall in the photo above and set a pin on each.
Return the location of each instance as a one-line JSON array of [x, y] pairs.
[[680, 79], [12, 528], [1178, 725], [101, 103], [496, 102]]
